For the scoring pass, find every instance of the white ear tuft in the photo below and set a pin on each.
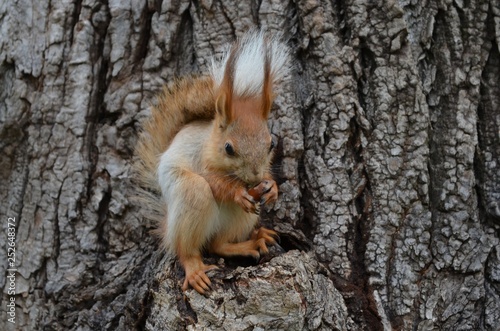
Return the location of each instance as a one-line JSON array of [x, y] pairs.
[[250, 55]]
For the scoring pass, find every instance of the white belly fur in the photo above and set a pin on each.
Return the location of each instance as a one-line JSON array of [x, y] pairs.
[[225, 221]]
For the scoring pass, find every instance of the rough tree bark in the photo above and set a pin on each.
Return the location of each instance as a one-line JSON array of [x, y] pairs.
[[388, 165]]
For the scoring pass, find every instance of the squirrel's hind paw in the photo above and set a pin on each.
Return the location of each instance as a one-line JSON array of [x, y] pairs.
[[270, 236], [198, 280]]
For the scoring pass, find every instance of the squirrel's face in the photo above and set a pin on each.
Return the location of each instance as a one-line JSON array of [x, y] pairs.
[[244, 147]]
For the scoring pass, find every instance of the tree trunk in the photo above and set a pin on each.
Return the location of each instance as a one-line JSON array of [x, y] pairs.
[[388, 166]]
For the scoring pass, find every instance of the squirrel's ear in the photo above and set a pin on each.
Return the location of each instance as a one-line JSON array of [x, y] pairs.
[[267, 88], [223, 102], [223, 107]]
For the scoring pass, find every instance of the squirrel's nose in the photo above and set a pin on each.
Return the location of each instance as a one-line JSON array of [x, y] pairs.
[[256, 180], [253, 178]]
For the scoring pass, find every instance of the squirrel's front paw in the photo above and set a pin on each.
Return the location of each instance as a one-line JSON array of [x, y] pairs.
[[246, 201], [266, 192]]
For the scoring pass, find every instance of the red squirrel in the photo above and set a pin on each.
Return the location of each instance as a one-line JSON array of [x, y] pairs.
[[206, 148]]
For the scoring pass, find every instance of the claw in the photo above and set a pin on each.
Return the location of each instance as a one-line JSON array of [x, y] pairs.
[[277, 238], [267, 186], [257, 210]]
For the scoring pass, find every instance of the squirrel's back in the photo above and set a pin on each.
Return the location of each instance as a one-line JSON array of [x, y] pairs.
[[189, 99]]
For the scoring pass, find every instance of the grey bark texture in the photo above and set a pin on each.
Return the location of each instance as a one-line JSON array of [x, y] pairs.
[[388, 165]]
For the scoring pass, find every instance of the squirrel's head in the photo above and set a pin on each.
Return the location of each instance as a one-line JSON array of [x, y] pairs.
[[244, 80], [243, 145]]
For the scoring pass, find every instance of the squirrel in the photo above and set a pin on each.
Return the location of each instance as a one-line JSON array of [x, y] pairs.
[[204, 157]]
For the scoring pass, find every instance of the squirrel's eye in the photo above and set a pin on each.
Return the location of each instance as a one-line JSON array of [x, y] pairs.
[[229, 149], [273, 144]]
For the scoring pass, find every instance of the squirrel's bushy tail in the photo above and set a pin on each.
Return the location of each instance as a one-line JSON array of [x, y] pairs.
[[189, 99]]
